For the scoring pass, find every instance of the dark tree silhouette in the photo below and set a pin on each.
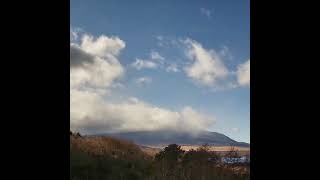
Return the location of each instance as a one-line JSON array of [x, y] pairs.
[[171, 153]]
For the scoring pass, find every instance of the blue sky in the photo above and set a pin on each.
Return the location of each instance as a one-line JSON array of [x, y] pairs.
[[161, 27]]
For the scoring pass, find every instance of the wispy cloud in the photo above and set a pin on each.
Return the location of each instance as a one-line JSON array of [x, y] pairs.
[[206, 12], [166, 41], [144, 64], [75, 33], [225, 53], [172, 68], [156, 56], [150, 63], [144, 80]]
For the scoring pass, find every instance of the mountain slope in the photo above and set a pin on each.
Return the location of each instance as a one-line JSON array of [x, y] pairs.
[[164, 137]]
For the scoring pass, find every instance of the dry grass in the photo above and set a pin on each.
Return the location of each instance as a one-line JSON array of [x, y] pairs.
[[106, 145]]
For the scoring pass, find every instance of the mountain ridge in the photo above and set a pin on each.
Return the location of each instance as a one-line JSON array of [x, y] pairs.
[[165, 137]]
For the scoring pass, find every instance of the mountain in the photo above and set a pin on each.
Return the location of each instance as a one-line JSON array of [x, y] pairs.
[[165, 137]]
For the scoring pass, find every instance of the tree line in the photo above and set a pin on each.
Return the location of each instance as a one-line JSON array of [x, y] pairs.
[[173, 163]]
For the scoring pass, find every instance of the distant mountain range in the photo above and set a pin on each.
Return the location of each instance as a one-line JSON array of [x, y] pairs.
[[165, 137]]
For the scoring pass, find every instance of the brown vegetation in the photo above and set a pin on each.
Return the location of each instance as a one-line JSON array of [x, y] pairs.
[[117, 148], [110, 158]]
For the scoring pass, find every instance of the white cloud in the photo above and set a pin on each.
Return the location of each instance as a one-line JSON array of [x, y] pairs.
[[172, 68], [100, 73], [205, 12], [141, 64], [243, 74], [144, 80], [102, 45], [94, 69], [94, 62], [97, 115], [207, 67]]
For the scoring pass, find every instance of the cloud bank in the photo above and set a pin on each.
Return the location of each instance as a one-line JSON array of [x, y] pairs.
[[95, 69], [99, 116]]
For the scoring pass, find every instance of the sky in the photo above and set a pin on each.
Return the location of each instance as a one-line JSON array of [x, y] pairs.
[[147, 65]]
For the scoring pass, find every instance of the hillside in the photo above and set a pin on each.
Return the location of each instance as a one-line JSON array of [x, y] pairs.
[[164, 137], [108, 158], [105, 158]]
